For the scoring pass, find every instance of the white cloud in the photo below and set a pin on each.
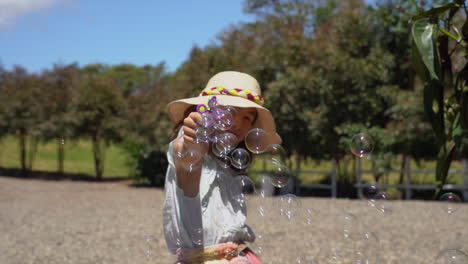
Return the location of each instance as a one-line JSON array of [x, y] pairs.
[[10, 10]]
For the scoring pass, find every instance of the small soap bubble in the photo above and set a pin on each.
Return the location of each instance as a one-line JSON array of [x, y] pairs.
[[224, 121], [275, 152], [379, 201], [279, 174], [242, 186], [226, 142], [151, 243], [225, 161], [214, 136], [347, 223], [229, 109], [190, 159], [451, 256], [361, 145], [256, 140], [290, 206], [240, 158], [451, 202], [197, 236], [175, 238], [218, 152], [207, 120], [261, 211], [370, 190], [217, 113], [310, 215], [203, 133]]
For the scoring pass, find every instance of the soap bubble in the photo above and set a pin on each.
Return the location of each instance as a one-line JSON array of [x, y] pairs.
[[217, 151], [451, 256], [203, 133], [240, 158], [348, 223], [214, 136], [242, 186], [230, 109], [217, 113], [370, 190], [279, 174], [224, 121], [190, 159], [256, 140], [290, 206], [275, 152], [226, 142], [310, 214], [197, 236], [451, 202], [174, 237], [207, 120], [361, 145], [151, 242], [225, 161], [379, 201]]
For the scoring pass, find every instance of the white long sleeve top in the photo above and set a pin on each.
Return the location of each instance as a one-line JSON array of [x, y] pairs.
[[213, 216]]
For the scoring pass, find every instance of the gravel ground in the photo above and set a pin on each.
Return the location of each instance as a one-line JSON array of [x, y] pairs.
[[86, 222]]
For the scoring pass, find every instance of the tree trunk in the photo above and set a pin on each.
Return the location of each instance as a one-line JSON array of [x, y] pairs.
[[61, 156], [22, 146], [32, 152], [98, 151], [402, 169], [1, 148]]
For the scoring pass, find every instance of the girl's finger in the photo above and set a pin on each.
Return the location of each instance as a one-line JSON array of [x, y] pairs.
[[190, 132], [196, 117]]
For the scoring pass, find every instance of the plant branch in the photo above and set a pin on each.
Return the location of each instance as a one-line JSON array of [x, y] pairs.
[[452, 36]]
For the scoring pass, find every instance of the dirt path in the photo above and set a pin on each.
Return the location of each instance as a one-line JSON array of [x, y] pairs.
[[81, 222]]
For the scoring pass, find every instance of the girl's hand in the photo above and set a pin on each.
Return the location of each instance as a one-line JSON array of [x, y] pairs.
[[189, 140]]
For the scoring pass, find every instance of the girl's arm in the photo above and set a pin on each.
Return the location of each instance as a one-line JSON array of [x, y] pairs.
[[189, 179]]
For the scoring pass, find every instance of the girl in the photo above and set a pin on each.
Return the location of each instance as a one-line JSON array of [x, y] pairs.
[[203, 222]]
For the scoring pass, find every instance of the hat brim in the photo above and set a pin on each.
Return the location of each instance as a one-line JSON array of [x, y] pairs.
[[177, 109]]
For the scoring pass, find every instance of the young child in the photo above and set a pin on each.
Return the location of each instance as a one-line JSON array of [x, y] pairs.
[[203, 222]]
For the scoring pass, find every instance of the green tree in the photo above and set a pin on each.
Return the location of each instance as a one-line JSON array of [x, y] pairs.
[[19, 111], [148, 129], [58, 122], [99, 108]]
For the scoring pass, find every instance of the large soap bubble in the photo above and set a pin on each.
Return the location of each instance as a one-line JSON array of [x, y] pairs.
[[190, 159], [242, 186], [451, 202], [226, 142], [361, 145], [240, 158], [279, 174], [256, 140]]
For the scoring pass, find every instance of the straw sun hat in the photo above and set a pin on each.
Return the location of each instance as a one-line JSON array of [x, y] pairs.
[[230, 88]]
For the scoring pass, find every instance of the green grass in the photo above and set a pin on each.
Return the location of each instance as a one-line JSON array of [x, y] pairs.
[[388, 178], [78, 158]]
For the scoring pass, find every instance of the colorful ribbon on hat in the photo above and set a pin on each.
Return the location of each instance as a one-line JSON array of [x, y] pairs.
[[244, 93]]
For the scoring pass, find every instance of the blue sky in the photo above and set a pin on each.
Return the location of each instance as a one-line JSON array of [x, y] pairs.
[[38, 33]]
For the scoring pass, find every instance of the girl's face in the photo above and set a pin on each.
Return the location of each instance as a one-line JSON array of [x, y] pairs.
[[243, 121]]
